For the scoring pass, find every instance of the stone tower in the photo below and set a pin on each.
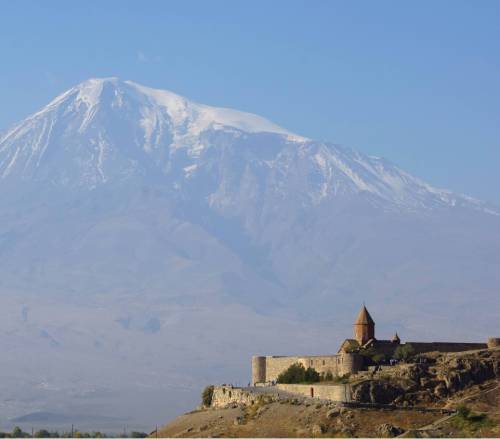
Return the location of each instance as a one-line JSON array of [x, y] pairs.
[[364, 327]]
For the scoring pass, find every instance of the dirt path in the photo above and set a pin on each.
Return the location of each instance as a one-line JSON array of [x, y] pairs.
[[475, 395]]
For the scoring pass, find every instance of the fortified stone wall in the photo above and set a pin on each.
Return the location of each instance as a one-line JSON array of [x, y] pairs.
[[350, 364], [258, 370], [276, 365], [445, 347], [267, 369], [323, 364], [340, 364], [225, 395], [339, 393], [493, 342]]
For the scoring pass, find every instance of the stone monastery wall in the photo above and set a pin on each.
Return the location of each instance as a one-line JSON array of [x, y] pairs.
[[338, 393], [227, 394], [445, 347], [493, 342], [267, 369], [349, 361]]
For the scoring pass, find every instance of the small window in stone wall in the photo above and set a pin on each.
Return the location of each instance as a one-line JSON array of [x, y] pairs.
[[223, 391], [323, 362], [230, 394], [312, 362]]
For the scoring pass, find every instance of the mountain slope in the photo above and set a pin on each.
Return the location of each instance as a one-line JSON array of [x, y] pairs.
[[160, 235]]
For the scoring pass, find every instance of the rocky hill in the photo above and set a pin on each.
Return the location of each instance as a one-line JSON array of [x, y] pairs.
[[452, 395]]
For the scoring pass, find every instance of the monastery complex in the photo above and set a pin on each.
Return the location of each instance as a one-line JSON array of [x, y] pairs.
[[350, 359]]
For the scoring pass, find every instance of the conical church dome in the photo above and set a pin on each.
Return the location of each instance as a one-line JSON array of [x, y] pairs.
[[364, 327], [364, 317]]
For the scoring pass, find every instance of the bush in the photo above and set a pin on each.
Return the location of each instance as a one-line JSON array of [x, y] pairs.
[[42, 433], [369, 355], [17, 432], [463, 411], [311, 375], [467, 421], [297, 374], [404, 352], [328, 376], [294, 374], [343, 379], [379, 358], [207, 395]]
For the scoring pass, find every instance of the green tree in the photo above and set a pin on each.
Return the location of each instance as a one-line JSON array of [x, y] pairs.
[[294, 374], [138, 434], [328, 376], [207, 395], [311, 375], [379, 358], [297, 373], [17, 432], [404, 352], [42, 433]]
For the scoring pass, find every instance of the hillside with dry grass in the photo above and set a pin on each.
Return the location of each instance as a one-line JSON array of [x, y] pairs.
[[468, 406]]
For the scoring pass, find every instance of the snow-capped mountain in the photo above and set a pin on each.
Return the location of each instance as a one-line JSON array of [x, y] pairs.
[[150, 240], [107, 130]]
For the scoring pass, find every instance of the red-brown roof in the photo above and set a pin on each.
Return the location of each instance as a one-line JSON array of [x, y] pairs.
[[364, 317]]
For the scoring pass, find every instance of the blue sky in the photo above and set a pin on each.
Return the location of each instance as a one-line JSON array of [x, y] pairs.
[[415, 82]]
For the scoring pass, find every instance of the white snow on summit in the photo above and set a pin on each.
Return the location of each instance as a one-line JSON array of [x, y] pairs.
[[199, 117], [105, 130]]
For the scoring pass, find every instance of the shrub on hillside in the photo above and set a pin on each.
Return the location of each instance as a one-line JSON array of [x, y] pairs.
[[297, 373], [404, 352], [311, 375], [294, 374], [469, 422], [328, 376], [207, 395], [342, 379], [463, 411]]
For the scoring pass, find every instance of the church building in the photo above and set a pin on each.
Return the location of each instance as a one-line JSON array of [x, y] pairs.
[[354, 354]]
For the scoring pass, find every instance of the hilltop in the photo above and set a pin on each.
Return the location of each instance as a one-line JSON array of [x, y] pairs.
[[471, 383]]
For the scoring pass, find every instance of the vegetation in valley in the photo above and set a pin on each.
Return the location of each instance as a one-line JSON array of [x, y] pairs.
[[17, 432]]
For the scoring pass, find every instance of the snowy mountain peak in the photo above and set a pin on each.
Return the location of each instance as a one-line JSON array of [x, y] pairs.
[[182, 111], [108, 130]]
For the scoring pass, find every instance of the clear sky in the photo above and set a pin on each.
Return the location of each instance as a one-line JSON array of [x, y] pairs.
[[416, 82]]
